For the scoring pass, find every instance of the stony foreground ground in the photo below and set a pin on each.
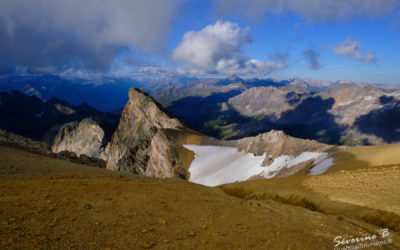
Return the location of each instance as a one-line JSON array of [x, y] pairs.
[[49, 203]]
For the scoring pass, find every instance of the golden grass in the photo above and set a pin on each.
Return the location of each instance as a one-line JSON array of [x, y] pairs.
[[371, 195], [50, 203], [367, 156]]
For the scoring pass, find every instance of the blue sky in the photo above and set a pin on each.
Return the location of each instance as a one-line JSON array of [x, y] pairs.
[[325, 40]]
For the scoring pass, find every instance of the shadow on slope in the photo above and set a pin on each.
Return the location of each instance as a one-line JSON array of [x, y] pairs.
[[384, 122], [31, 117], [205, 113], [309, 120]]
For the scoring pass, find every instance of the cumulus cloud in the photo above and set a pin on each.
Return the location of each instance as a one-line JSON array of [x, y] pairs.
[[211, 44], [217, 48], [313, 10], [352, 49], [312, 57], [58, 34]]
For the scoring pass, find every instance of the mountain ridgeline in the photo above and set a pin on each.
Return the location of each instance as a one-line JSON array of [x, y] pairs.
[[148, 139], [262, 117]]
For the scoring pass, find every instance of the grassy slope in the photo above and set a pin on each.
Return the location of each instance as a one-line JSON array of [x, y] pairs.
[[367, 156], [44, 204], [364, 184]]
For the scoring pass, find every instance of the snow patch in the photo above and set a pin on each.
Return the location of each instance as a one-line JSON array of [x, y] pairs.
[[322, 167], [320, 158], [216, 165], [287, 161]]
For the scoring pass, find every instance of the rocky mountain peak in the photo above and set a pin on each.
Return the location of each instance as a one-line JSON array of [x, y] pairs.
[[140, 143], [141, 105]]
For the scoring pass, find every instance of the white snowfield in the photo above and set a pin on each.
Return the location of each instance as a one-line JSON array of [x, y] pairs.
[[216, 165]]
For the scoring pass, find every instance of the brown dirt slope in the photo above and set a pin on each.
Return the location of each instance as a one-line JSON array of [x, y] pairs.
[[51, 203]]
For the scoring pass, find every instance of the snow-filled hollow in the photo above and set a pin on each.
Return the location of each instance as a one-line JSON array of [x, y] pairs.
[[217, 165]]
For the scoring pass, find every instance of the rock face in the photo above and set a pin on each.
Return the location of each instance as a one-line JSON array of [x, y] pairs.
[[271, 101], [84, 137], [141, 144], [353, 102]]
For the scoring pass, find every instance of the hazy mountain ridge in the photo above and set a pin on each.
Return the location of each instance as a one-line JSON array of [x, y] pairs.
[[105, 94], [108, 93]]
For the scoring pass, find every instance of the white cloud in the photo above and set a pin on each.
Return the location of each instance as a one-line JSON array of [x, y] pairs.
[[352, 49], [313, 10], [211, 44], [217, 49]]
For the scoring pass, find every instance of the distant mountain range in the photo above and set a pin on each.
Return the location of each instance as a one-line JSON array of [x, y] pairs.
[[334, 112], [105, 94]]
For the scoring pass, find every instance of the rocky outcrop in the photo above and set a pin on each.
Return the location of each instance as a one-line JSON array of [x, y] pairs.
[[142, 144], [38, 147], [84, 137], [273, 144]]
